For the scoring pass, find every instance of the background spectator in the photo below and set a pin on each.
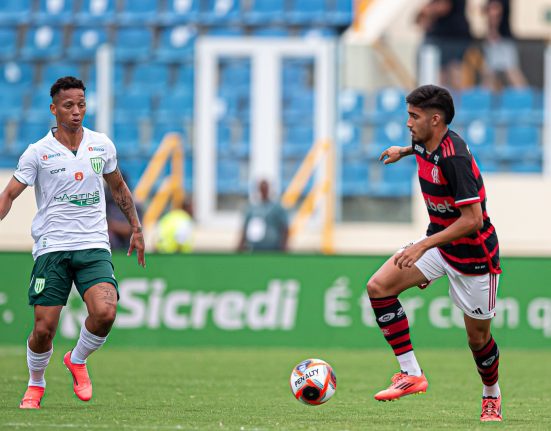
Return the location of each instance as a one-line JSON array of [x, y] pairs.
[[265, 227], [175, 230]]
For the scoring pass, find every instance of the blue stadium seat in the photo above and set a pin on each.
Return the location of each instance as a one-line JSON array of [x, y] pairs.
[[480, 137], [231, 176], [226, 31], [297, 105], [518, 105], [132, 105], [185, 75], [354, 177], [39, 108], [133, 44], [133, 168], [180, 12], [100, 12], [297, 140], [395, 180], [42, 43], [162, 126], [349, 139], [120, 75], [289, 167], [220, 12], [319, 32], [152, 76], [386, 135], [341, 13], [265, 12], [16, 74], [138, 12], [54, 12], [271, 31], [390, 104], [126, 136], [176, 44], [473, 103], [233, 139], [28, 132], [176, 105], [526, 167], [351, 104], [307, 12], [53, 71], [521, 143], [8, 43], [11, 102], [13, 12], [85, 41]]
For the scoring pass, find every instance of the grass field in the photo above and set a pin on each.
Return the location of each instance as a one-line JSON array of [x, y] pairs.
[[248, 389]]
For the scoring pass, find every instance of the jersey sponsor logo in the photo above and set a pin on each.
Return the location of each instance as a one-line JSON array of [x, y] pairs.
[[97, 164], [57, 171], [96, 148], [435, 175], [489, 361], [50, 156], [39, 284], [80, 199], [79, 176], [441, 208]]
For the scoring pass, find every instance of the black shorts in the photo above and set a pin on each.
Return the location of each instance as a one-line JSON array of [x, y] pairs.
[[54, 273]]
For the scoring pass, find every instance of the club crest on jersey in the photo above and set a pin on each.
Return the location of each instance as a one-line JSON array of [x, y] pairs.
[[435, 175], [79, 176], [97, 164], [39, 284]]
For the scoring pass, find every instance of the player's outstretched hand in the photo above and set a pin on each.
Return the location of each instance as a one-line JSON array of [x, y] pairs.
[[137, 243], [391, 155]]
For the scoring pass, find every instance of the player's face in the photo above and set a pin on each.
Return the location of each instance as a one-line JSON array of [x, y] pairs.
[[69, 107], [419, 123]]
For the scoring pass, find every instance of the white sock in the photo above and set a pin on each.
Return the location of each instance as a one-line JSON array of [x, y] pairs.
[[408, 363], [491, 391], [87, 344], [37, 363]]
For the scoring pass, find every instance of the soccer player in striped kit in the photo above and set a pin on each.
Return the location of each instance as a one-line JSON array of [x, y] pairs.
[[460, 243]]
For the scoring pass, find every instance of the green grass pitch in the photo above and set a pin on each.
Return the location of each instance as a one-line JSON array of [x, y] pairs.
[[248, 389]]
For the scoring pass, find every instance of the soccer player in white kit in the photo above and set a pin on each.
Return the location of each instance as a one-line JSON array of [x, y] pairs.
[[67, 168]]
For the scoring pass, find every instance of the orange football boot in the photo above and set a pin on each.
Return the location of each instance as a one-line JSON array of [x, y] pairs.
[[82, 385], [403, 384], [491, 409], [31, 399]]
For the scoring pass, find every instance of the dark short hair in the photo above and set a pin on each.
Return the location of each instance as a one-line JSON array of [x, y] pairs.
[[432, 96], [66, 83]]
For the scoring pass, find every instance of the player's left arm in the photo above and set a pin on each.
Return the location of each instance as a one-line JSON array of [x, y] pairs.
[[123, 197]]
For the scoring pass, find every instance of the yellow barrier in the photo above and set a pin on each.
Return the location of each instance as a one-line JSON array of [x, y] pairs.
[[324, 189], [172, 186]]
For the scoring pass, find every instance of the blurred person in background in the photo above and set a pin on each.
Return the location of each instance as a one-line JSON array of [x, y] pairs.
[[118, 228], [501, 59], [446, 27], [460, 243], [174, 233], [265, 226], [67, 168]]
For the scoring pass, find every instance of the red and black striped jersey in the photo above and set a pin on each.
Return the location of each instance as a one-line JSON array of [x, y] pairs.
[[450, 178]]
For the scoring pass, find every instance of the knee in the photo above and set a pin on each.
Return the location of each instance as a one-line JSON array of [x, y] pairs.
[[105, 317], [44, 332], [374, 288], [477, 340]]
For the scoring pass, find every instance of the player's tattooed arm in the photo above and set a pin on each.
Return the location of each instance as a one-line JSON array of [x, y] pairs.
[[123, 197]]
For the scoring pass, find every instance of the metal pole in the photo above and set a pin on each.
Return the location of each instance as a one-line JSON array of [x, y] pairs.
[[546, 142], [429, 65], [104, 85]]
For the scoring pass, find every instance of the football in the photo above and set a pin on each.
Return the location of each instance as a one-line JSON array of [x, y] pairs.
[[313, 382]]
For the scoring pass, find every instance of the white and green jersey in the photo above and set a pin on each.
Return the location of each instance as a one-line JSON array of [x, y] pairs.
[[69, 191]]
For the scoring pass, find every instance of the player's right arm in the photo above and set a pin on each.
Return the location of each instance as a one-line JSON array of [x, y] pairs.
[[10, 193], [395, 153]]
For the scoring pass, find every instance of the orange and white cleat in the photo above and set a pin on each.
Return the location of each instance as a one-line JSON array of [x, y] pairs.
[[31, 399], [82, 385], [491, 409], [403, 384]]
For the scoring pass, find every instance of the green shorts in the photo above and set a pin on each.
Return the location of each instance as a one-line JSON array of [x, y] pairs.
[[54, 273]]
